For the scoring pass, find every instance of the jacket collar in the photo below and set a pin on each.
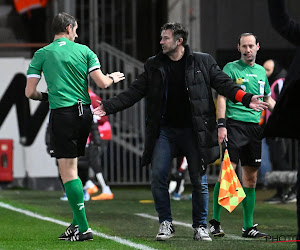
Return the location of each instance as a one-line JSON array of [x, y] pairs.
[[189, 55], [160, 58]]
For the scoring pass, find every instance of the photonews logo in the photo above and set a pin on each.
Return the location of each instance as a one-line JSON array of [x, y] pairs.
[[281, 238]]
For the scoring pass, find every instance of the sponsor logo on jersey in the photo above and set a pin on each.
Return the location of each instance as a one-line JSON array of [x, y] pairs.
[[62, 43], [239, 81], [252, 75]]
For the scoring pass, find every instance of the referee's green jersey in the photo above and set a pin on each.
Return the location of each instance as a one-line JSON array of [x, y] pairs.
[[252, 80], [65, 66]]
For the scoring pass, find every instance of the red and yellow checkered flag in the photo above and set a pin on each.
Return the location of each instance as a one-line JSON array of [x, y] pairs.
[[231, 191]]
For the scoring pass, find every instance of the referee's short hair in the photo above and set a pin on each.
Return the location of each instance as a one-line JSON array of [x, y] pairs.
[[62, 21], [247, 34]]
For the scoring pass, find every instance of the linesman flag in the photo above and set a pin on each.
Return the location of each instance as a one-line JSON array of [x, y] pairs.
[[231, 191]]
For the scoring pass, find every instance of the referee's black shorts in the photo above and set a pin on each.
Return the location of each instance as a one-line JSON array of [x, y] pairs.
[[69, 131], [244, 142]]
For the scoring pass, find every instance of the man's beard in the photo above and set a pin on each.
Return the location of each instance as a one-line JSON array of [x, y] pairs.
[[171, 52], [249, 60]]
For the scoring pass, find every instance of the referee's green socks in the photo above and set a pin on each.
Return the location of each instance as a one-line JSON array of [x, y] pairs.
[[75, 196], [216, 206], [248, 207]]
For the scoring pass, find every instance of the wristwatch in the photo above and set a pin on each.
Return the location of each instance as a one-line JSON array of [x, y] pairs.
[[113, 81]]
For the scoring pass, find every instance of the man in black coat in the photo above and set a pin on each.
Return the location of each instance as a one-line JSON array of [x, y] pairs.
[[284, 121], [181, 118]]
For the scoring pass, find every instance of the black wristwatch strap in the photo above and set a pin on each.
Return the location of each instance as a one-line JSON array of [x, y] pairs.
[[111, 78], [221, 123]]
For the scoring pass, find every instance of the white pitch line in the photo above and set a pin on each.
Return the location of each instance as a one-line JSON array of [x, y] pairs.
[[231, 236], [40, 217]]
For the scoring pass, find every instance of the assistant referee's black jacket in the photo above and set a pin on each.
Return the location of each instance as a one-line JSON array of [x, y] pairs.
[[201, 73]]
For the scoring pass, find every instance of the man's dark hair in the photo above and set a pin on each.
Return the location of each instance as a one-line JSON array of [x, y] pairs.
[[62, 21], [178, 31], [247, 34]]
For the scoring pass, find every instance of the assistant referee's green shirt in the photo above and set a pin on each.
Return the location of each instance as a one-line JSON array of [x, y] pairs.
[[252, 80], [65, 66]]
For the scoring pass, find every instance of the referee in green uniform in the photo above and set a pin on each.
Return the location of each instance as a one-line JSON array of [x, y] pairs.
[[242, 131], [66, 66]]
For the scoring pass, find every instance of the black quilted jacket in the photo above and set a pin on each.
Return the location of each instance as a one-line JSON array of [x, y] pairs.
[[201, 74]]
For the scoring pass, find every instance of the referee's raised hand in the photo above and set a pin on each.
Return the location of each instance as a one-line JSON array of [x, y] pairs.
[[116, 76]]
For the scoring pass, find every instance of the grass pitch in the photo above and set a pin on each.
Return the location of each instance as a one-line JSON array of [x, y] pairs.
[[118, 218]]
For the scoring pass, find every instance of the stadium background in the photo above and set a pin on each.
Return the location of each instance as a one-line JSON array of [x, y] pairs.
[[124, 33]]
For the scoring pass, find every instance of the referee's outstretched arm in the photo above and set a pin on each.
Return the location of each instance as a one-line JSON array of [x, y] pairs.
[[104, 81]]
